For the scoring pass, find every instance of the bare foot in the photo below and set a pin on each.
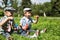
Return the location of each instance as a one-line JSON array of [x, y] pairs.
[[37, 32], [43, 31]]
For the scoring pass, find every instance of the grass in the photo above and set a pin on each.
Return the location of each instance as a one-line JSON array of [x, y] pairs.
[[51, 23]]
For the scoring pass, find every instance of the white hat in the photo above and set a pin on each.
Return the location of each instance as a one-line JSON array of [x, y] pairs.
[[9, 8], [27, 9]]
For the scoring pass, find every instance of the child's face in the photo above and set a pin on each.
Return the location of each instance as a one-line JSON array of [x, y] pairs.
[[28, 14], [7, 13]]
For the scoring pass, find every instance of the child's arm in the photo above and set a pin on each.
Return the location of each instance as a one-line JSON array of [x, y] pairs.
[[5, 20], [24, 27], [35, 21], [9, 28], [10, 25], [23, 24]]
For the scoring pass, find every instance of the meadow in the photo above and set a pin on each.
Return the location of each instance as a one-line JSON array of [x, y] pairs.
[[51, 23]]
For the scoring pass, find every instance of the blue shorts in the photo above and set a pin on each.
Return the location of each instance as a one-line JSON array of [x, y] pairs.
[[22, 32]]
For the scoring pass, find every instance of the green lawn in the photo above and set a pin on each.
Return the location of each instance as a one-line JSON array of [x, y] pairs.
[[51, 23]]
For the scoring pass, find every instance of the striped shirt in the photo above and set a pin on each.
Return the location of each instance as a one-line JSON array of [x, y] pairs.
[[25, 21], [8, 23]]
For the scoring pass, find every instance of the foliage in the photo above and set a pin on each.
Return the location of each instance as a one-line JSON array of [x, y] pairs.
[[1, 12], [26, 3], [51, 23], [40, 9], [56, 7], [50, 8]]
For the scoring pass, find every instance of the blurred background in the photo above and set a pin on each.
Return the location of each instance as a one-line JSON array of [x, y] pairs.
[[48, 10], [40, 7]]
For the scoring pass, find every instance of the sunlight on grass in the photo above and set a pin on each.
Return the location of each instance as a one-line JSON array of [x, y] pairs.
[[52, 33]]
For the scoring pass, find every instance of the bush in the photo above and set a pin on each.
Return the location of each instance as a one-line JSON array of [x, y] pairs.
[[1, 12]]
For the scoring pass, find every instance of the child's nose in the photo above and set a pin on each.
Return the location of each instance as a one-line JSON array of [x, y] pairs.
[[29, 14]]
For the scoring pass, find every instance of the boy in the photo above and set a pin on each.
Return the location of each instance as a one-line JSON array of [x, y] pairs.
[[25, 23], [7, 22]]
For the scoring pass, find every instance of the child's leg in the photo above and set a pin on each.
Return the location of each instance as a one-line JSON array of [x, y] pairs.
[[7, 35], [24, 33], [37, 33], [9, 28], [43, 31], [30, 30], [1, 30]]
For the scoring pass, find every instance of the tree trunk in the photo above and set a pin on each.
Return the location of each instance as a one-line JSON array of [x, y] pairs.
[[44, 14]]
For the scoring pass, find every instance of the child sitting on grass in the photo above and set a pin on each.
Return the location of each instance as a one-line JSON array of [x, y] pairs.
[[25, 24], [7, 22]]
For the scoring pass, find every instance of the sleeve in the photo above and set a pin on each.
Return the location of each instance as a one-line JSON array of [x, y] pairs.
[[22, 22], [3, 18], [32, 20]]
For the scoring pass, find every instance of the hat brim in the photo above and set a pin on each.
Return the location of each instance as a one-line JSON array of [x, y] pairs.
[[11, 10], [27, 10]]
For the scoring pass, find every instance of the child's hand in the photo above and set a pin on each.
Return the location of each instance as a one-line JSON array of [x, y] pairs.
[[10, 18], [25, 27], [37, 16]]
